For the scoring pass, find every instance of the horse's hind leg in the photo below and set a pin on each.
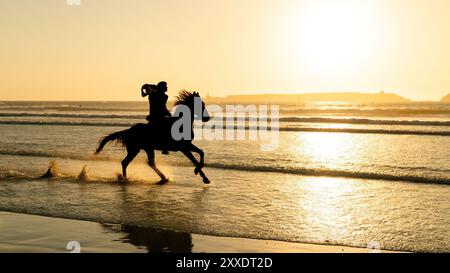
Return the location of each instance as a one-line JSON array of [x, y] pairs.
[[131, 154], [151, 163]]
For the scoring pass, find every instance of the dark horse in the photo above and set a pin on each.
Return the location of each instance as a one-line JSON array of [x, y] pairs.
[[149, 138]]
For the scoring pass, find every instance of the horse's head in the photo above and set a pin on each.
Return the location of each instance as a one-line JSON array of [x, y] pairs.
[[195, 104]]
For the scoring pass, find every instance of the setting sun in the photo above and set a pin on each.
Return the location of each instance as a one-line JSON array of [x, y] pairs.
[[332, 37]]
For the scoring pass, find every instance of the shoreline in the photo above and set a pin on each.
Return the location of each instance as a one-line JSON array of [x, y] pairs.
[[26, 233]]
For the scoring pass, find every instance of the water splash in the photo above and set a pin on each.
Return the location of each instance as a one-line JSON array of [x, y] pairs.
[[83, 176], [51, 171]]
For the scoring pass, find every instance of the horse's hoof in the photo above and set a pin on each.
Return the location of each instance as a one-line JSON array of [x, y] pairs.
[[163, 181], [197, 170], [206, 180], [121, 178]]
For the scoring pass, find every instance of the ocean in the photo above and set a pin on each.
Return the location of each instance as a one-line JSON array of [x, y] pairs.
[[342, 174]]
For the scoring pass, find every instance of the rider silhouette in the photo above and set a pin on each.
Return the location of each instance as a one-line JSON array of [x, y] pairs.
[[159, 115]]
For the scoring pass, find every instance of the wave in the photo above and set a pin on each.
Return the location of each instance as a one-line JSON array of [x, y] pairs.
[[285, 129], [67, 123], [365, 110], [248, 119], [73, 115], [253, 168], [390, 112], [14, 174], [364, 121], [53, 154], [368, 131], [333, 173], [132, 107]]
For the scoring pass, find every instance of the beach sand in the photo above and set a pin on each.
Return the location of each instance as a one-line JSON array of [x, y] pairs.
[[31, 233]]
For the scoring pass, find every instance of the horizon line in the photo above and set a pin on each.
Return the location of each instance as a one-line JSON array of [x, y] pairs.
[[229, 95]]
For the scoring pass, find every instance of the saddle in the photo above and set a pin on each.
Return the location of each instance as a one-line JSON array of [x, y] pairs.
[[164, 127]]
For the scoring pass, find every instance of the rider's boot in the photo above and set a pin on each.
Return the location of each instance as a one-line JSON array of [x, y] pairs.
[[164, 150]]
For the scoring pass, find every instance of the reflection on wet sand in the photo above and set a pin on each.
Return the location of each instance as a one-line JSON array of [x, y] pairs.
[[153, 240]]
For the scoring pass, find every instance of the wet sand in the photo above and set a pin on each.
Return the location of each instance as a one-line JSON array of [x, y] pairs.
[[31, 233]]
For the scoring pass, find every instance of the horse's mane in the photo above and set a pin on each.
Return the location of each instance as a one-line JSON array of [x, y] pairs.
[[184, 97]]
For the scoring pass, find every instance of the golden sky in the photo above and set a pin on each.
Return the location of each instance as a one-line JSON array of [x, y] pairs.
[[106, 49]]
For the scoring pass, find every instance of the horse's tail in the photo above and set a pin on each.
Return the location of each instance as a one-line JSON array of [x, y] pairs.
[[117, 136]]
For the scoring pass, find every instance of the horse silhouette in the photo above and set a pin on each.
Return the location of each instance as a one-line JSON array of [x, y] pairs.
[[150, 137]]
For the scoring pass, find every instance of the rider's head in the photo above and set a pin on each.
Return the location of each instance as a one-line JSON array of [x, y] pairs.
[[146, 89], [161, 87]]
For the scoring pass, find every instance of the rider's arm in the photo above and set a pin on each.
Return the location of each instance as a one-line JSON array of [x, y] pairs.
[[144, 90]]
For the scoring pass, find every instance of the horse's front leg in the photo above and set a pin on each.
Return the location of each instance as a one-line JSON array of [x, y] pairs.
[[197, 150], [198, 169]]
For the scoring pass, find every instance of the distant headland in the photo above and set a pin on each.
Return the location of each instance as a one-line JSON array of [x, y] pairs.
[[446, 98], [352, 97]]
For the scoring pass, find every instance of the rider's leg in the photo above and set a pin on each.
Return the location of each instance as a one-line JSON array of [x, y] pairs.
[[164, 133], [168, 135]]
